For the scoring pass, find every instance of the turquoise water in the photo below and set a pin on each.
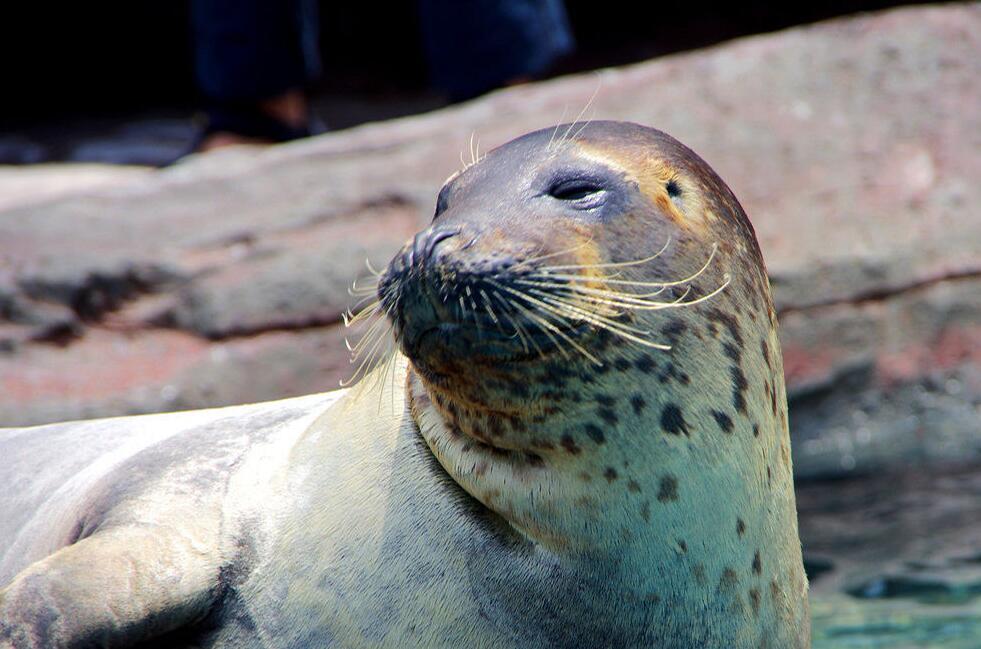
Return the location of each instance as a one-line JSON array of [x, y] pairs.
[[843, 622]]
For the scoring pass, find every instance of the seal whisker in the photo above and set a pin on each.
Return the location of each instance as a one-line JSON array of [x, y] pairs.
[[588, 290], [514, 323], [560, 307], [707, 296], [628, 282], [555, 131], [581, 113], [366, 364], [622, 304], [558, 331], [363, 312], [528, 336], [602, 324], [372, 329], [615, 264], [626, 300], [572, 309], [544, 328], [371, 269], [490, 311]]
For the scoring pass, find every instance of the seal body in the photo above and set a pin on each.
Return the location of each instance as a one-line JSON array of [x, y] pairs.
[[583, 441]]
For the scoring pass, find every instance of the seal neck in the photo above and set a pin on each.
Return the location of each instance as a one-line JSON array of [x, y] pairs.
[[667, 474]]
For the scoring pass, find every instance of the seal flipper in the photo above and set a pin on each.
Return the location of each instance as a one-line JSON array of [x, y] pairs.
[[118, 587]]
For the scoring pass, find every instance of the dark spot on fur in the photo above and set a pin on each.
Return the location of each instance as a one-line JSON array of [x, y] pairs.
[[682, 546], [622, 364], [496, 428], [728, 581], [674, 190], [699, 571], [551, 395], [595, 433], [601, 369], [731, 351], [754, 600], [602, 340], [673, 330], [610, 474], [638, 403], [645, 363], [723, 420], [765, 348], [604, 399], [518, 389], [652, 598], [740, 527], [774, 589], [534, 459], [729, 321], [569, 444], [673, 420], [668, 489], [607, 415], [756, 430], [633, 487], [769, 476], [757, 564], [739, 386]]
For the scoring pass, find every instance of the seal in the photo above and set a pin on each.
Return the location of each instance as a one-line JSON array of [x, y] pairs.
[[582, 440]]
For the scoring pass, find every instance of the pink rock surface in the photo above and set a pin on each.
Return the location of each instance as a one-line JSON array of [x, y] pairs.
[[854, 145]]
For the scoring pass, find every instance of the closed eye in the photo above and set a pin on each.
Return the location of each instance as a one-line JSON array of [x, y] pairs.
[[576, 190]]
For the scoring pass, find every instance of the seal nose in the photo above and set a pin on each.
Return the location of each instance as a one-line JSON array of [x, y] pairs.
[[424, 244]]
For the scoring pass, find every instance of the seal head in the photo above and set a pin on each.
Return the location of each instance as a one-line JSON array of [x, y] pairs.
[[593, 357]]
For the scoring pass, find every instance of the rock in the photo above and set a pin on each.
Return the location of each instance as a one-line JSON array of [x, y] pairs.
[[853, 145]]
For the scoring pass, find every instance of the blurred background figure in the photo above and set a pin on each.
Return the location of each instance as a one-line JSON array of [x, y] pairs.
[[255, 59], [474, 47]]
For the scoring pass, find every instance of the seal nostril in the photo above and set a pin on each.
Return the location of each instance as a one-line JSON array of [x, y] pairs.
[[427, 245]]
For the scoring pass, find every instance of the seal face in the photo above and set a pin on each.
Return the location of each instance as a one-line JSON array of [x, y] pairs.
[[594, 358]]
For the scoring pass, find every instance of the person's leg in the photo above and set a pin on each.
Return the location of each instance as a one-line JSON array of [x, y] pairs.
[[253, 59], [479, 45]]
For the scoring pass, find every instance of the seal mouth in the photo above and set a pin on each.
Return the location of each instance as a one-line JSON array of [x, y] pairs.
[[438, 305], [479, 309], [484, 341]]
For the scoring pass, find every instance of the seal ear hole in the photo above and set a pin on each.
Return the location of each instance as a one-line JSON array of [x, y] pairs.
[[674, 193]]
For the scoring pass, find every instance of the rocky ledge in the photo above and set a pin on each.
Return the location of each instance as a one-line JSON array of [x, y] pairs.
[[853, 144]]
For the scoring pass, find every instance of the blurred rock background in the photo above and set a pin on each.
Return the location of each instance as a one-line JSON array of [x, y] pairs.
[[854, 145]]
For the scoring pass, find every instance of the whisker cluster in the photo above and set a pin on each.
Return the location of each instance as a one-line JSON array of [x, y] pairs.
[[530, 301], [376, 346]]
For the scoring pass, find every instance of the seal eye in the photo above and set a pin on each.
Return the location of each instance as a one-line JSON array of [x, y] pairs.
[[586, 193]]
